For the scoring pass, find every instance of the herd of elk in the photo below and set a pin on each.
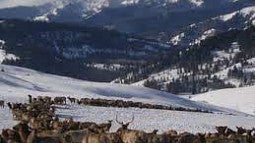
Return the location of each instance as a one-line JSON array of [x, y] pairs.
[[39, 124]]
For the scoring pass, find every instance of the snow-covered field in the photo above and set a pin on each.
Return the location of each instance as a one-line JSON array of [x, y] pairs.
[[163, 120], [16, 83], [241, 99]]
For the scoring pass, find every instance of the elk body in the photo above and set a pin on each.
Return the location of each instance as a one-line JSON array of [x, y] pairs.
[[34, 138], [102, 138], [23, 130]]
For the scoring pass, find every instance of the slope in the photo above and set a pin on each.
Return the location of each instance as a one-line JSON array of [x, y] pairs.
[[23, 81], [241, 99]]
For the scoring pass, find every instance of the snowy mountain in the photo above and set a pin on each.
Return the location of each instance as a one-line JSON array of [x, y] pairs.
[[126, 15], [16, 83], [194, 33], [194, 20]]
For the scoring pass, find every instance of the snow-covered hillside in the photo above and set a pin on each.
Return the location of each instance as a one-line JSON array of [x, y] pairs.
[[196, 32], [16, 83], [241, 99]]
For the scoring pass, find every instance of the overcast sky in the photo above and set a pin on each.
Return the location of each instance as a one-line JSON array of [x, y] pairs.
[[12, 3]]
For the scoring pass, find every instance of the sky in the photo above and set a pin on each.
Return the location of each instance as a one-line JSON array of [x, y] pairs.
[[12, 3]]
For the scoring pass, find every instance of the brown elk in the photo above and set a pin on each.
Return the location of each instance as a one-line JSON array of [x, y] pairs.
[[105, 127], [130, 136], [240, 130], [76, 136], [23, 130], [10, 136], [2, 139], [2, 103], [34, 138], [102, 138], [221, 129]]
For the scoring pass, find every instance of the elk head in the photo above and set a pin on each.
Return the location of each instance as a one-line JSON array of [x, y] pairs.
[[124, 126]]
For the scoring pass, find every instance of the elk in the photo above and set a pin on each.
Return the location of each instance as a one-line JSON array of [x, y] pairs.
[[228, 131], [30, 98], [131, 136], [9, 105], [34, 138], [72, 100], [102, 138], [2, 139], [76, 136], [124, 126], [23, 130], [221, 129], [154, 132], [105, 127], [60, 100], [10, 136], [2, 103], [240, 130]]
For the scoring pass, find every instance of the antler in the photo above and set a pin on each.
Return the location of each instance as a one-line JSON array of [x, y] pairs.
[[132, 120], [117, 120], [122, 123]]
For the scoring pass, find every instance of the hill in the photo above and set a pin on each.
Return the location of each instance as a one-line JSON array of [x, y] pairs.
[[17, 82], [241, 99]]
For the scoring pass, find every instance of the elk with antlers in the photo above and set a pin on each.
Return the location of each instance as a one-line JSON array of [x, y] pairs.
[[130, 136], [124, 126]]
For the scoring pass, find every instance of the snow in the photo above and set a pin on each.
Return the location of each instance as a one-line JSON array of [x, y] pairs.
[[223, 74], [241, 99], [23, 81], [228, 17], [178, 38], [108, 67], [42, 18], [16, 83], [129, 2], [197, 2], [149, 120], [248, 11], [226, 55], [205, 35], [4, 55]]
